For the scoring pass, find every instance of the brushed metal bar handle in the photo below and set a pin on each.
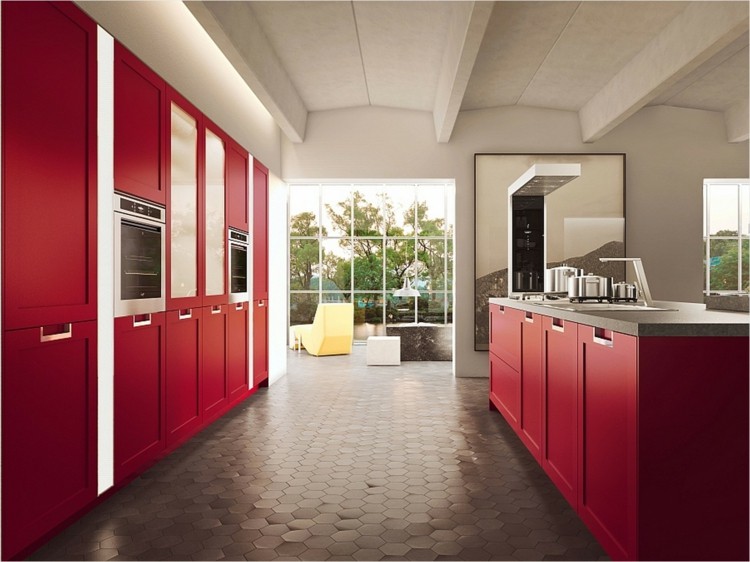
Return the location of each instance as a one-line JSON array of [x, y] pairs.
[[185, 314], [67, 332], [145, 322], [600, 337], [216, 309]]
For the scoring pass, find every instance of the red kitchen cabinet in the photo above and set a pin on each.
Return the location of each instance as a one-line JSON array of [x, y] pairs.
[[238, 367], [237, 187], [140, 126], [260, 231], [139, 386], [607, 376], [560, 406], [49, 164], [184, 360], [505, 334], [49, 433], [260, 343], [505, 390], [530, 416], [214, 374]]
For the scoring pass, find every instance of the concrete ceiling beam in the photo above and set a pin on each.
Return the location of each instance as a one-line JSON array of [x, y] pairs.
[[237, 32], [698, 33], [467, 28]]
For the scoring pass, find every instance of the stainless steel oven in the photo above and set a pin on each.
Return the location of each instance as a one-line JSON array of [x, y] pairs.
[[238, 265], [140, 285]]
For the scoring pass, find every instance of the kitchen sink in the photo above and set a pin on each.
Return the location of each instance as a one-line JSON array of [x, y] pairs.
[[603, 306]]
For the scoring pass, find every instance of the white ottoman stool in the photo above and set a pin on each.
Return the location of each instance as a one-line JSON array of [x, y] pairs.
[[384, 350]]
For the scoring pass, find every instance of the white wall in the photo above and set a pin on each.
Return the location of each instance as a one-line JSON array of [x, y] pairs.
[[278, 249], [669, 152]]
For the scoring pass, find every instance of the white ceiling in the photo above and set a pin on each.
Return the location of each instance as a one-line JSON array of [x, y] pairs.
[[603, 59]]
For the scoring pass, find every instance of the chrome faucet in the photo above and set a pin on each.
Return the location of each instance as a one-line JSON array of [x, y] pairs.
[[640, 276]]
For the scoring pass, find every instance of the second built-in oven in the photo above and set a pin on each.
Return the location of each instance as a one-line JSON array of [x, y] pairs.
[[238, 265], [140, 286]]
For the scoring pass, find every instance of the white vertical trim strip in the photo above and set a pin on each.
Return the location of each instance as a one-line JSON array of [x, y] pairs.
[[105, 263]]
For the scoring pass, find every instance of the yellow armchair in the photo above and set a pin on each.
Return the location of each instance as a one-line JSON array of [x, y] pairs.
[[331, 332]]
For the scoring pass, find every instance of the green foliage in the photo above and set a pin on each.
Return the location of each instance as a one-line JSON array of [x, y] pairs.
[[370, 218], [724, 274]]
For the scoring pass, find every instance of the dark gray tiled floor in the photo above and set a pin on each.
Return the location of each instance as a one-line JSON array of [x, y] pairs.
[[339, 461]]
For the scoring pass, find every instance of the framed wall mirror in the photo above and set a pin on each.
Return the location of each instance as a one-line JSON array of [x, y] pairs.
[[579, 222]]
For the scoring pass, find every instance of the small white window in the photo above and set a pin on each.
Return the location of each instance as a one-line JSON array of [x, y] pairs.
[[726, 235]]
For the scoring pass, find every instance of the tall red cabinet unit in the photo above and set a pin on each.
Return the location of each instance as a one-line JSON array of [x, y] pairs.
[[140, 144], [49, 268], [260, 274]]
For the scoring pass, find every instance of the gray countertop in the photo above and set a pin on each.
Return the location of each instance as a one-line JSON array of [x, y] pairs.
[[682, 319]]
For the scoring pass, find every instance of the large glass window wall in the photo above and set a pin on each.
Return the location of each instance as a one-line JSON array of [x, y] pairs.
[[359, 242]]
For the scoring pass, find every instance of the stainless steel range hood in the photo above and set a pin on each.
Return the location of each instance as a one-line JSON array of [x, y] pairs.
[[543, 179]]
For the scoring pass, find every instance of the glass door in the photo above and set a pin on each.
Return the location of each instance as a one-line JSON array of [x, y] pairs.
[[183, 239], [215, 219]]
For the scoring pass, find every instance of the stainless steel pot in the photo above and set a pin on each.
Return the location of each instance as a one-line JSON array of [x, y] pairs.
[[624, 291], [585, 287], [556, 278]]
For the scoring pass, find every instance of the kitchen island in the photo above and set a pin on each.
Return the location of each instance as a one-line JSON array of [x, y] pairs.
[[639, 417]]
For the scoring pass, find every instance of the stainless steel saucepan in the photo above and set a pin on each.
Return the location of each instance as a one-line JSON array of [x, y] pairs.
[[556, 278], [584, 287]]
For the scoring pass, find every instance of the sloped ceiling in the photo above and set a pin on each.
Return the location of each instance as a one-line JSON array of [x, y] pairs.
[[603, 59]]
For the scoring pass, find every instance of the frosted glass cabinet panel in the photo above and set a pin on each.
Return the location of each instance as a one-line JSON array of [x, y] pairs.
[[184, 205], [215, 219]]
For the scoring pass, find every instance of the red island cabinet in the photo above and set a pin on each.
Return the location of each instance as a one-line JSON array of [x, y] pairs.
[[238, 367], [49, 433], [214, 374], [139, 387], [607, 377], [530, 417], [646, 437], [505, 362], [140, 128], [184, 358], [560, 406]]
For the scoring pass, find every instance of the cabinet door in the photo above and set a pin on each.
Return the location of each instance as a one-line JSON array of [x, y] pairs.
[[185, 184], [237, 187], [214, 377], [505, 334], [260, 342], [48, 429], [139, 392], [530, 420], [49, 164], [183, 369], [260, 231], [559, 449], [505, 390], [140, 124], [238, 368], [607, 364], [214, 218]]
